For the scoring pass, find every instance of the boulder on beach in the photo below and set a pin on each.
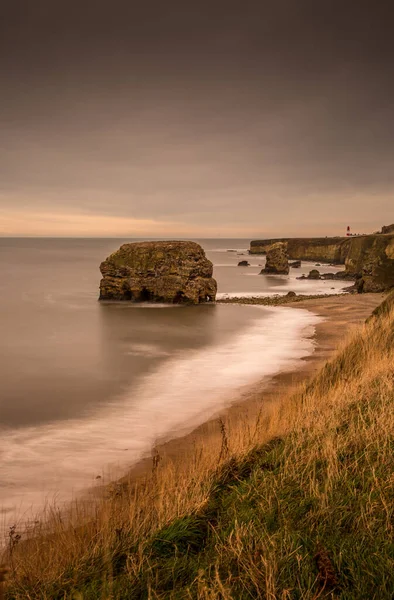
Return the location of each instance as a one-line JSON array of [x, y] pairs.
[[172, 272], [277, 260], [243, 263]]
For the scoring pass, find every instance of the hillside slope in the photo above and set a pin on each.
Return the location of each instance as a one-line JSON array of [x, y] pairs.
[[297, 506]]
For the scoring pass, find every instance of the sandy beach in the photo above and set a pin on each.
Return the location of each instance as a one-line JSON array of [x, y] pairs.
[[340, 316]]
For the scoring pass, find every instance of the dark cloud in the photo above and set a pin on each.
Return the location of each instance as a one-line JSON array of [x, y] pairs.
[[250, 114]]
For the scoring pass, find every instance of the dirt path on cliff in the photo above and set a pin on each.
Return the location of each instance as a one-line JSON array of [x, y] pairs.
[[341, 315]]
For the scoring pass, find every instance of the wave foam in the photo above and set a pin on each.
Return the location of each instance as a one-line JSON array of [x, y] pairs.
[[38, 462]]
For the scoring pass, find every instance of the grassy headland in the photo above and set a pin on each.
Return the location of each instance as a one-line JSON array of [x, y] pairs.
[[297, 504]]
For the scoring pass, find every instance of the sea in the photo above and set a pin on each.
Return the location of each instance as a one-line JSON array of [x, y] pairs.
[[87, 388]]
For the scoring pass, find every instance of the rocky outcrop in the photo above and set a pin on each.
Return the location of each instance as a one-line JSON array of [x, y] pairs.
[[296, 264], [243, 263], [314, 274], [371, 261], [369, 258], [277, 260], [173, 272]]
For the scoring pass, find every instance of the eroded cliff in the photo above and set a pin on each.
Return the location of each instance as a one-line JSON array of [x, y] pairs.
[[370, 258]]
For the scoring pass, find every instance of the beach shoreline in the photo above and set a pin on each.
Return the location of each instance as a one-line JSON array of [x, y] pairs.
[[340, 315]]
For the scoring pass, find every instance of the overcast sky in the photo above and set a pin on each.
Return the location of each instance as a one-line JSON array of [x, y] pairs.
[[196, 119]]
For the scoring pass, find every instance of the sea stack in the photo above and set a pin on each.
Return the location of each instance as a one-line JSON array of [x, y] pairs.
[[277, 260], [171, 272]]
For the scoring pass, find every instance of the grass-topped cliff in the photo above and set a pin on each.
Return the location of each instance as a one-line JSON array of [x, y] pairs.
[[296, 505]]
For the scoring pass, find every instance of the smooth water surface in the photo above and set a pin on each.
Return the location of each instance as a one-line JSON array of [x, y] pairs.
[[86, 384]]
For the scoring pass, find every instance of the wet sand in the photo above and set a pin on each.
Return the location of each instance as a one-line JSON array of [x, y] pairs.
[[340, 315]]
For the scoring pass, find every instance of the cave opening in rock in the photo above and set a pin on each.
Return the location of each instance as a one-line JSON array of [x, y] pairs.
[[179, 298], [127, 295], [145, 295]]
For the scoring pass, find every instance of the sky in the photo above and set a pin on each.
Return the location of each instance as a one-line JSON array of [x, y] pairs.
[[195, 119]]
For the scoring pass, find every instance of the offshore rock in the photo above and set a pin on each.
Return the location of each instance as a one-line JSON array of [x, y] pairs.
[[277, 260], [171, 272], [243, 263], [314, 274]]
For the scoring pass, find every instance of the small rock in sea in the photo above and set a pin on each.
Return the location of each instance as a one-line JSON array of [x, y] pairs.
[[314, 274], [317, 265], [277, 260], [291, 294], [243, 263], [295, 264], [98, 477]]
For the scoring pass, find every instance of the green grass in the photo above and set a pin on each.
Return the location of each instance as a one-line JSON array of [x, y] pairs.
[[305, 513]]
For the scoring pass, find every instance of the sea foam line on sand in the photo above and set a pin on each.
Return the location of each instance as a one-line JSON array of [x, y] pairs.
[[62, 458]]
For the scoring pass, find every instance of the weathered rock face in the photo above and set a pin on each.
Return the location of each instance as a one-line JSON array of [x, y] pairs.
[[309, 249], [277, 259], [369, 258], [173, 272]]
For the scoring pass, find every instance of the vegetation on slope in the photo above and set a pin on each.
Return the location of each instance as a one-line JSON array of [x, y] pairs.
[[298, 505]]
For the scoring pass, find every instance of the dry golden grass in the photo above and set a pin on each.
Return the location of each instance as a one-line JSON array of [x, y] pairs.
[[298, 504]]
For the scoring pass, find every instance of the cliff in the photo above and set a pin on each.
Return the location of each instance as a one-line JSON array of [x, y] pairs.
[[313, 249], [370, 258], [172, 272]]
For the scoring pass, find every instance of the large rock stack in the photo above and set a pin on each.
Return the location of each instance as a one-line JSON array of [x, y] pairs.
[[277, 259], [172, 272]]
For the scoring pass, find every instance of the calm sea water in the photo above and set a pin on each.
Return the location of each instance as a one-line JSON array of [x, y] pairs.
[[86, 385]]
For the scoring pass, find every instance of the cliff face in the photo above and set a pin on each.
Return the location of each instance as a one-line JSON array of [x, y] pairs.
[[173, 272], [370, 257], [313, 249]]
